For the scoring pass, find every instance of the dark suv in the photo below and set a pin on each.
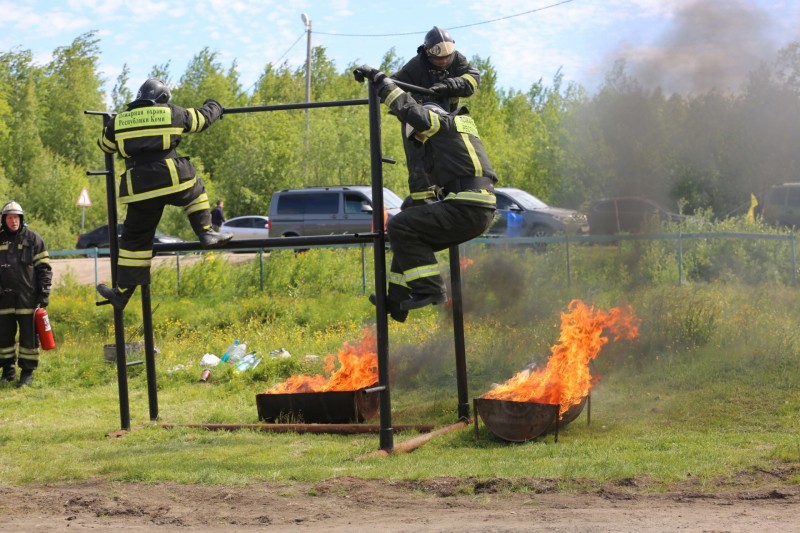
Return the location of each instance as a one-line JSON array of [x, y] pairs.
[[326, 210], [627, 214], [521, 214]]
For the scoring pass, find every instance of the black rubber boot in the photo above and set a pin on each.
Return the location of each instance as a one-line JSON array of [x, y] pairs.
[[25, 378], [393, 309], [213, 239], [118, 298], [9, 372], [421, 300]]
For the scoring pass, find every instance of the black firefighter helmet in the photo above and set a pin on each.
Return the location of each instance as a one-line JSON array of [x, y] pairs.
[[154, 90], [439, 43]]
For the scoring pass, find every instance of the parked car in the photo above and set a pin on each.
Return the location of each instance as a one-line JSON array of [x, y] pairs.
[[326, 210], [247, 227], [98, 238], [521, 214], [782, 205], [627, 214]]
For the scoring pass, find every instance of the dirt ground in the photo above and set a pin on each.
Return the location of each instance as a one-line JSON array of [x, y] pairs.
[[765, 501], [347, 505]]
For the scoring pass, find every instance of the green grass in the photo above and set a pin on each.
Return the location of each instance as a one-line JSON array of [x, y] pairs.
[[709, 393]]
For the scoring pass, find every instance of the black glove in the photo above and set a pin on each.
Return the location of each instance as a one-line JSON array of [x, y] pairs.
[[215, 103], [441, 88], [372, 74], [43, 300], [448, 86]]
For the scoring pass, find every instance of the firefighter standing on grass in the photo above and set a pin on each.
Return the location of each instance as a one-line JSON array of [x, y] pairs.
[[458, 166], [25, 279], [146, 135], [440, 67]]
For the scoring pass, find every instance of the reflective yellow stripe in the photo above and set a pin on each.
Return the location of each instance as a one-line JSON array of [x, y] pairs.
[[106, 145], [9, 349], [472, 81], [41, 255], [424, 271], [157, 192], [476, 162], [199, 203], [135, 258], [155, 132], [422, 195], [173, 172], [480, 197], [393, 96], [397, 279], [4, 246], [198, 120], [435, 125]]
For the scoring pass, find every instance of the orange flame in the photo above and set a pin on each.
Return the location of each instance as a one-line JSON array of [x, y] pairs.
[[466, 262], [566, 379], [358, 368]]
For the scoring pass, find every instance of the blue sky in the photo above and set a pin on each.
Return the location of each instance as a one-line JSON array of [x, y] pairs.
[[681, 44]]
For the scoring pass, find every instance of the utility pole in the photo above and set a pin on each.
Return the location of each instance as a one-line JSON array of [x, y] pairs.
[[307, 22]]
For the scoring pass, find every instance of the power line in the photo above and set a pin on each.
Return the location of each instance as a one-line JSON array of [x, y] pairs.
[[452, 28], [292, 46]]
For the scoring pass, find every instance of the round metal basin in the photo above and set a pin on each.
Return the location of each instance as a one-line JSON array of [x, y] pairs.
[[516, 421], [571, 414]]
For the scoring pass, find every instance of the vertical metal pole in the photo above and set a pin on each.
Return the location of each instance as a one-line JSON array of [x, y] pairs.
[[379, 251], [364, 269], [307, 22], [680, 258], [261, 269], [794, 261], [178, 272], [569, 273], [119, 324], [458, 333], [149, 351]]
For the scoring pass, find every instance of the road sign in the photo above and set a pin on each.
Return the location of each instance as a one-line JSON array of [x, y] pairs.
[[83, 199]]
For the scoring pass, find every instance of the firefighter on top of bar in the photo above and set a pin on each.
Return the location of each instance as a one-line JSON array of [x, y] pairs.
[[463, 181]]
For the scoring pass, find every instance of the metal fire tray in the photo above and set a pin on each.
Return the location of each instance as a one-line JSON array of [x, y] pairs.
[[515, 421], [572, 413], [339, 407]]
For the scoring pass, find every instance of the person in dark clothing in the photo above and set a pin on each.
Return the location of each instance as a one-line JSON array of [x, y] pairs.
[[217, 215], [459, 168], [146, 135], [443, 69], [25, 278]]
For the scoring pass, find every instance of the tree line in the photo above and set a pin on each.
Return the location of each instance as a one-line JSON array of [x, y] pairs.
[[691, 152]]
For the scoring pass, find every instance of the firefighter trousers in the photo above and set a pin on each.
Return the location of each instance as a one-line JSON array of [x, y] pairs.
[[136, 243], [12, 318], [417, 232]]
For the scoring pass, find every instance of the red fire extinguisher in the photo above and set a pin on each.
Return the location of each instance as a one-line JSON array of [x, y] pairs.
[[44, 330]]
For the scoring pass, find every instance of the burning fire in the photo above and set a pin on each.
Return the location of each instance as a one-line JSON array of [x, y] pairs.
[[358, 368], [466, 262], [566, 379]]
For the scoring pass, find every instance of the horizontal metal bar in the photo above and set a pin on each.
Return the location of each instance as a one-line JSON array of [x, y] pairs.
[[278, 242], [282, 107]]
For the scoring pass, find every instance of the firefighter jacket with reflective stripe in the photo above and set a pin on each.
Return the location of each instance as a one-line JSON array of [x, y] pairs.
[[146, 136], [453, 149], [24, 266], [422, 73]]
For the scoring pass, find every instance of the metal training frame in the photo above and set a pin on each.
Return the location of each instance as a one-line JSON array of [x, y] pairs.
[[377, 238]]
